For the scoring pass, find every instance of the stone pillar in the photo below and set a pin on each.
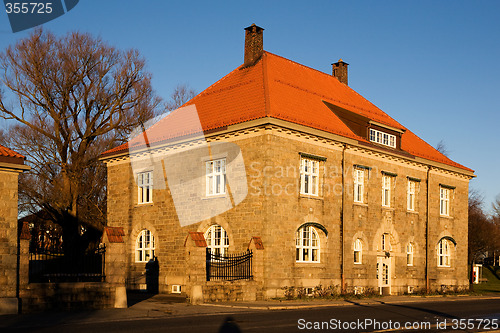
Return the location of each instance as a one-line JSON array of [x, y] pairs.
[[115, 265], [195, 246], [10, 167]]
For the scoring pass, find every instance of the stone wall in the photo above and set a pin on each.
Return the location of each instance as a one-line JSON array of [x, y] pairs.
[[67, 296]]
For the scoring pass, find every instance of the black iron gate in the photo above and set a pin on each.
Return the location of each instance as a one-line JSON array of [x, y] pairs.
[[229, 267], [54, 266]]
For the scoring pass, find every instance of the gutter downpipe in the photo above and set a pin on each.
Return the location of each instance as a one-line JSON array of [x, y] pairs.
[[342, 209], [427, 285]]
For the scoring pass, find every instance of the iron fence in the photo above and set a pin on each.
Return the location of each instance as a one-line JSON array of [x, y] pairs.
[[55, 266], [229, 267]]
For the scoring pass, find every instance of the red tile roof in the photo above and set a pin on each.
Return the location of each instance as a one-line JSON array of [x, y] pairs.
[[258, 243], [9, 156], [115, 234], [198, 238], [278, 88]]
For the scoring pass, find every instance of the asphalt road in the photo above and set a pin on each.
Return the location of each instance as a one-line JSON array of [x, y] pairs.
[[481, 315]]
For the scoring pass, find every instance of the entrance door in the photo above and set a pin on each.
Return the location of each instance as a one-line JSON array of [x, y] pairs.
[[384, 275]]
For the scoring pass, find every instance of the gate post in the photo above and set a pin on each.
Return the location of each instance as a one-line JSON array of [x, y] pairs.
[[115, 264], [195, 245]]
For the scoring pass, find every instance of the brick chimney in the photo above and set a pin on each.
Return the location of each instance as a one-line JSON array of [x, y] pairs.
[[339, 70], [254, 46]]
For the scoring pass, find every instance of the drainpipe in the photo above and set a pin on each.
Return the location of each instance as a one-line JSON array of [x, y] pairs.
[[342, 209], [427, 285]]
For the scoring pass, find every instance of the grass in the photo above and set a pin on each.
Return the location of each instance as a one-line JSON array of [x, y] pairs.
[[492, 273]]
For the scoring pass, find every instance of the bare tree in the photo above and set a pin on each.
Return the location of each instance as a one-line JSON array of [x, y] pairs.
[[496, 209], [182, 93], [441, 147], [73, 97], [484, 233]]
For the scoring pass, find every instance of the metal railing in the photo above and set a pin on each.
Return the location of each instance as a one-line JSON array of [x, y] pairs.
[[229, 267], [50, 266]]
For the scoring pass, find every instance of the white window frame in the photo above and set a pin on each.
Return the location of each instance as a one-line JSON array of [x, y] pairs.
[[386, 190], [444, 201], [358, 252], [385, 242], [145, 246], [359, 185], [145, 187], [215, 177], [217, 240], [443, 253], [409, 254], [411, 192], [309, 176], [382, 138], [307, 245]]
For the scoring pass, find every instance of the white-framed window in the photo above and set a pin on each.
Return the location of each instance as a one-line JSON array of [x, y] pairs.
[[309, 176], [382, 138], [409, 254], [145, 187], [307, 245], [410, 203], [385, 242], [359, 184], [216, 177], [144, 246], [443, 253], [444, 201], [358, 251], [217, 240], [386, 190]]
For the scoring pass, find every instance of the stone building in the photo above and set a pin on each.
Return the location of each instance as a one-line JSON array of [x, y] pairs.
[[288, 161], [11, 164]]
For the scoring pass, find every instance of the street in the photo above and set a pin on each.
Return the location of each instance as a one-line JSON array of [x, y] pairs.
[[459, 315]]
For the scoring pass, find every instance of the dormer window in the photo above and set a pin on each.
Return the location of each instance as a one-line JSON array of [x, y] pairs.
[[382, 138]]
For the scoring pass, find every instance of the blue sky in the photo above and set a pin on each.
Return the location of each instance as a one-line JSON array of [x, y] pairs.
[[432, 65]]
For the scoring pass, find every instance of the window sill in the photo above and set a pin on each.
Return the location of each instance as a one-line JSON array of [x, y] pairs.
[[217, 196], [145, 204], [308, 263], [446, 217], [361, 204], [412, 212], [388, 208], [309, 196]]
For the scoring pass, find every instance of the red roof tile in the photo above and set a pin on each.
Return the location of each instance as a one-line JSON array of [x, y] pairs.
[[115, 234], [25, 231], [9, 156], [258, 243], [198, 238], [282, 89]]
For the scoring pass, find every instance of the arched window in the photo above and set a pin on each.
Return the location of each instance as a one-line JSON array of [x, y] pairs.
[[217, 240], [443, 253], [358, 251], [409, 254], [307, 245], [144, 246]]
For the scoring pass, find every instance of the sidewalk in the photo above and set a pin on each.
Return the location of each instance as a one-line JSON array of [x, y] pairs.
[[162, 306]]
